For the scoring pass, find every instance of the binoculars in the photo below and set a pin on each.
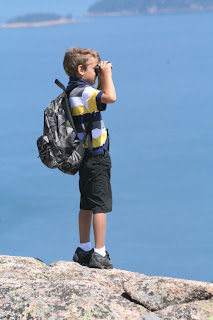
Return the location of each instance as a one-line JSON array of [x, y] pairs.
[[97, 68]]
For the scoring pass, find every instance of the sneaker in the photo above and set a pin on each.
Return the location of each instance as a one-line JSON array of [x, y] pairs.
[[97, 261], [82, 257]]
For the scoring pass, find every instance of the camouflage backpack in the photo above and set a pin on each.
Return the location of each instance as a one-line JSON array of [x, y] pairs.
[[59, 147]]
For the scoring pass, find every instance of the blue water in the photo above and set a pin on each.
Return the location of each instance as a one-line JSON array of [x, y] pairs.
[[161, 143]]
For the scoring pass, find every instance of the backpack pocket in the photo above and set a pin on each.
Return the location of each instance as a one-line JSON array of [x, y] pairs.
[[45, 152]]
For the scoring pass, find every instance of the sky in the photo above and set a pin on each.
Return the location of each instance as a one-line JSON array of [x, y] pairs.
[[12, 8]]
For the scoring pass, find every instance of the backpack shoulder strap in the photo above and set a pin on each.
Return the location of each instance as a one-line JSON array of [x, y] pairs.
[[69, 115], [88, 132], [66, 105], [68, 89]]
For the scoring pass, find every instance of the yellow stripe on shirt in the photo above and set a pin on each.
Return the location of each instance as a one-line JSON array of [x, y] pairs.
[[98, 142], [92, 104], [79, 110]]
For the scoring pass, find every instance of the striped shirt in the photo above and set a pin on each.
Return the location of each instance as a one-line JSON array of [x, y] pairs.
[[85, 100]]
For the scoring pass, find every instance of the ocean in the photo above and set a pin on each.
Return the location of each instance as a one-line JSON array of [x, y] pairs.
[[161, 143]]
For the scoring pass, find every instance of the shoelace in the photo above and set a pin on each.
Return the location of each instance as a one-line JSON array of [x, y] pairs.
[[107, 255]]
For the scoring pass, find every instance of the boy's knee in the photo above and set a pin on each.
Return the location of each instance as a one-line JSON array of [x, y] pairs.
[[83, 212]]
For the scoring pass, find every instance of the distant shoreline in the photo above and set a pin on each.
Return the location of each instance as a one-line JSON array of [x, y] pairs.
[[37, 24], [151, 11]]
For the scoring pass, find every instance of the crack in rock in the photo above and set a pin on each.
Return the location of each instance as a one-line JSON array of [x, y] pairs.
[[157, 293]]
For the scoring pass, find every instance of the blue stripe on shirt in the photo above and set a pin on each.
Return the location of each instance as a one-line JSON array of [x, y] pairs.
[[84, 118]]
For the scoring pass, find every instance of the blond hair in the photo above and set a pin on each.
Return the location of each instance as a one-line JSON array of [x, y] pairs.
[[77, 56]]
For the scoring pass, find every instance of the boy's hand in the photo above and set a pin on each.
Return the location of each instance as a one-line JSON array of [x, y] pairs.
[[109, 95], [105, 69]]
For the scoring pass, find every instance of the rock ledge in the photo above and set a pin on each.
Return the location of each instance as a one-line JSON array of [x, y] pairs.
[[29, 289]]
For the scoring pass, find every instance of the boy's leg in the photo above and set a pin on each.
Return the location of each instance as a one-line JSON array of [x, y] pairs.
[[84, 218], [100, 258], [99, 227], [84, 251]]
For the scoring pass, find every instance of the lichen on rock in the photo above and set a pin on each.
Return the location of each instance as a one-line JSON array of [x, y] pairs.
[[29, 289]]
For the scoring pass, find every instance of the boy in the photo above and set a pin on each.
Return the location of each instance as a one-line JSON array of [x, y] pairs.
[[94, 174]]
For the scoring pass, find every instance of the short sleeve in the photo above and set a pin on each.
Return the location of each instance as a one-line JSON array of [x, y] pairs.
[[92, 99], [101, 106]]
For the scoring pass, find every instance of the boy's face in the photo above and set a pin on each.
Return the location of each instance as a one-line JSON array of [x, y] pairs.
[[89, 74]]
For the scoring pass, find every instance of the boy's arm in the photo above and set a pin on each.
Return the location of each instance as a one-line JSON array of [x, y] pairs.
[[106, 84], [100, 82]]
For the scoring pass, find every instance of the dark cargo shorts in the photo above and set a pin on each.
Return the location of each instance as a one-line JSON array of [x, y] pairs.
[[94, 183]]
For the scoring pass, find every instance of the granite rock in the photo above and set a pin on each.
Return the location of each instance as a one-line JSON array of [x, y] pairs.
[[29, 289], [157, 293], [65, 290], [196, 310]]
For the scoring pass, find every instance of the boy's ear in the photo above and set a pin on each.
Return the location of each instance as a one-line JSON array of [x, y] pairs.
[[81, 69]]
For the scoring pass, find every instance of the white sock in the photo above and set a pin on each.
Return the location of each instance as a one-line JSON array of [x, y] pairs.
[[86, 246], [101, 251]]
